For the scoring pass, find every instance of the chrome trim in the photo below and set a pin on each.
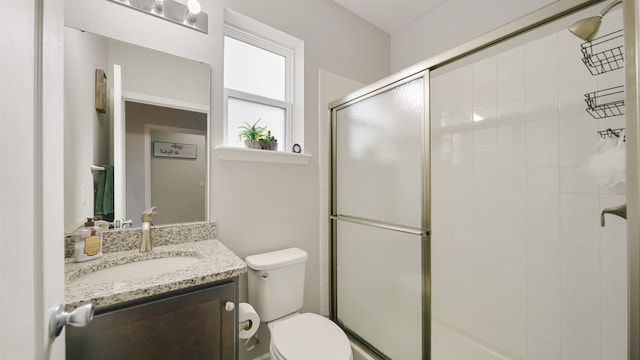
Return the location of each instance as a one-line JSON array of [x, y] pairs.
[[424, 232], [379, 224], [380, 90], [632, 146], [528, 22], [604, 11], [333, 246], [41, 74], [425, 242]]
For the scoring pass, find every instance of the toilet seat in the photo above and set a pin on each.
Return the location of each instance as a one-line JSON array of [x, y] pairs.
[[309, 337]]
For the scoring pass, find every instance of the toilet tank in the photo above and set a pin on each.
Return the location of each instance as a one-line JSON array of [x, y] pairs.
[[276, 282]]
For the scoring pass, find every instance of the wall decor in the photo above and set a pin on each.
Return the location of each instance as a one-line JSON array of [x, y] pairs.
[[101, 91], [175, 150]]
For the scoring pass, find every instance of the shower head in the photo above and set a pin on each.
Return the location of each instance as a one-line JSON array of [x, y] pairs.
[[587, 28]]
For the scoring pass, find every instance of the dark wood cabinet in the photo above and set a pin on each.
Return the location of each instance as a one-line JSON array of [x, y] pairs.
[[187, 324]]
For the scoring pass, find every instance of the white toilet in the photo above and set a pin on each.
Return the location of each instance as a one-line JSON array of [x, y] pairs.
[[276, 287]]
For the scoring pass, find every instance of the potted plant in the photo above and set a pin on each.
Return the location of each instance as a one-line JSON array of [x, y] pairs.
[[269, 142], [257, 137]]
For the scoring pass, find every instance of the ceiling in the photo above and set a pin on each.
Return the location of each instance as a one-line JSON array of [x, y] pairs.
[[390, 15]]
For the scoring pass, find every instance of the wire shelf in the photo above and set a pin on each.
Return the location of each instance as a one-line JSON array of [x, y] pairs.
[[605, 103], [612, 133], [604, 53]]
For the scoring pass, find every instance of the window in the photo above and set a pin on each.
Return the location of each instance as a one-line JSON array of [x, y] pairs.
[[262, 81]]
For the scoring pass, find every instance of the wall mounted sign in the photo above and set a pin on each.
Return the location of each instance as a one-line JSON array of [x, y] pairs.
[[175, 150]]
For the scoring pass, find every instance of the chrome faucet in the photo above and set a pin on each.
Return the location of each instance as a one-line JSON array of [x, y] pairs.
[[121, 223], [147, 219]]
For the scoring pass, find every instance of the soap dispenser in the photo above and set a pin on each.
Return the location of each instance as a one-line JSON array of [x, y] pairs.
[[147, 219], [88, 242]]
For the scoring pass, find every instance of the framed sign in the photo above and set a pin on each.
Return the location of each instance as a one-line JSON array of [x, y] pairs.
[[175, 150]]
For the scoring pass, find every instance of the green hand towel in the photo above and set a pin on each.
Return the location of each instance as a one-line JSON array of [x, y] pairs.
[[98, 195], [107, 199]]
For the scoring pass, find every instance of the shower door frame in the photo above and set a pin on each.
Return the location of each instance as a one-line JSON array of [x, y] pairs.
[[547, 14], [425, 218]]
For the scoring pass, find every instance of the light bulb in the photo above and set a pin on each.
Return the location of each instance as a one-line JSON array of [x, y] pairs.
[[193, 7]]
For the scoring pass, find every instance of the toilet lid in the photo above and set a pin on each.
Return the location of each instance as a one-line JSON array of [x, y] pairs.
[[310, 337]]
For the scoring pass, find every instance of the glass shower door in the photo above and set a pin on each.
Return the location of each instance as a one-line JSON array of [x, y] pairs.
[[380, 220]]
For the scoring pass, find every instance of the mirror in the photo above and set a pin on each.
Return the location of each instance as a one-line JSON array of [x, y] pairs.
[[165, 121]]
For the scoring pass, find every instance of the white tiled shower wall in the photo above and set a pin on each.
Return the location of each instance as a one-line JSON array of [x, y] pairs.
[[521, 267]]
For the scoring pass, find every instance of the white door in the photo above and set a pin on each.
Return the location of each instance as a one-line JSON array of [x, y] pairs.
[[31, 168], [119, 137]]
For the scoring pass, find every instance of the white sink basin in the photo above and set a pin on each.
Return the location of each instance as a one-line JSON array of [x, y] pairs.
[[137, 270]]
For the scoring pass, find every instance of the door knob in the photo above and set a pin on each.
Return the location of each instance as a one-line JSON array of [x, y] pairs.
[[79, 317]]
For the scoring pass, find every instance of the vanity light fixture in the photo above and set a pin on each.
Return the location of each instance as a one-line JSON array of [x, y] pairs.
[[189, 15]]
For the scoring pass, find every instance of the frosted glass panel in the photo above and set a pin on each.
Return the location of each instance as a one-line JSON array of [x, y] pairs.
[[379, 148], [380, 288], [253, 70], [241, 111]]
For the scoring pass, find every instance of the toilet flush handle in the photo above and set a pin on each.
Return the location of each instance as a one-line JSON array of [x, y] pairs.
[[264, 276]]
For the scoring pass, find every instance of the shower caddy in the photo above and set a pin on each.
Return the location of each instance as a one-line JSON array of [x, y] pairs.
[[601, 55]]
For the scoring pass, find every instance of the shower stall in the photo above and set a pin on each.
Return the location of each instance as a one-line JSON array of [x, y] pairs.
[[467, 196]]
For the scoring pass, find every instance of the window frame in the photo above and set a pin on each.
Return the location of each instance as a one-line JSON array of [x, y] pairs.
[[289, 55]]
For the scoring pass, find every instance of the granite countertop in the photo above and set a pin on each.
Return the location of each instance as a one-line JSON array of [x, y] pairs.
[[216, 263]]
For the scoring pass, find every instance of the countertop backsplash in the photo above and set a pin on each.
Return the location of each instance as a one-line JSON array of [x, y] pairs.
[[129, 239]]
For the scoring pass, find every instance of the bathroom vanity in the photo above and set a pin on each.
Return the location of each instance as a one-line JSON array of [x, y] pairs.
[[178, 301], [189, 324]]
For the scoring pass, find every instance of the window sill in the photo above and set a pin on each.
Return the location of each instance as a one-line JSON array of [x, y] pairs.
[[265, 156]]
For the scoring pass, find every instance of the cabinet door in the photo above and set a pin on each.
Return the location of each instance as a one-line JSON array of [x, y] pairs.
[[193, 325]]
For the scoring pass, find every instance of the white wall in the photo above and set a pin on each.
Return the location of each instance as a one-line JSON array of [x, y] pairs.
[[331, 87], [153, 73], [337, 41], [288, 214], [334, 39], [86, 131], [452, 23]]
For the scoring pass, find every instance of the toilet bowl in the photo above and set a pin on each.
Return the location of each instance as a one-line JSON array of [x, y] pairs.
[[276, 288], [307, 336], [316, 341]]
